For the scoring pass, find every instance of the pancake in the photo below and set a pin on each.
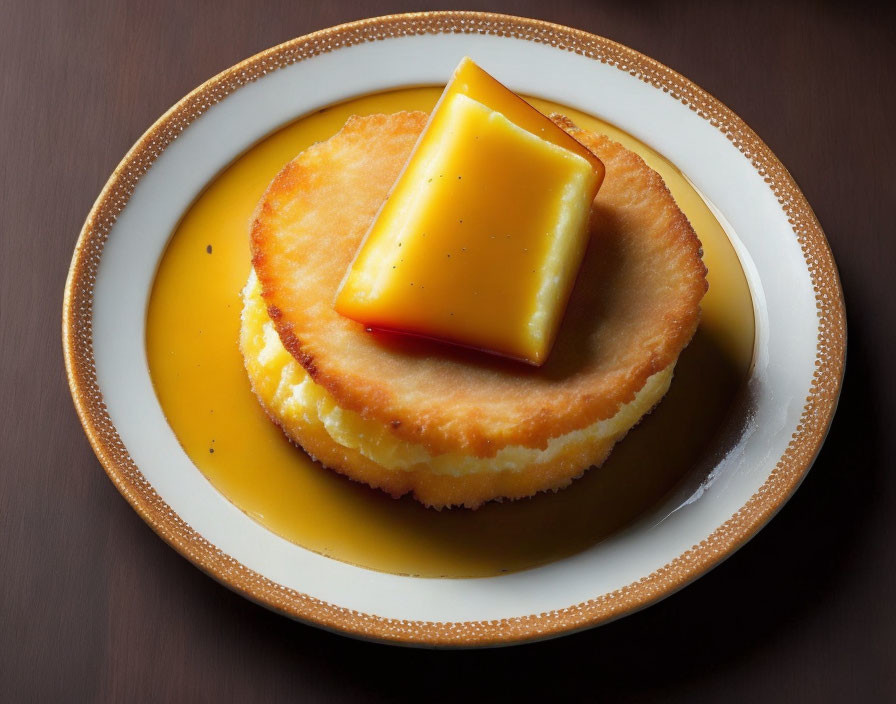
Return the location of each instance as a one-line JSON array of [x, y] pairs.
[[366, 451], [633, 309]]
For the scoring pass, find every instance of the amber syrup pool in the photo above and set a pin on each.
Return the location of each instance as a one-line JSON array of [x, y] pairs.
[[192, 330]]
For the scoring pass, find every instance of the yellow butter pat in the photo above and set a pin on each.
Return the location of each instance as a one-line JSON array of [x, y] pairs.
[[482, 236]]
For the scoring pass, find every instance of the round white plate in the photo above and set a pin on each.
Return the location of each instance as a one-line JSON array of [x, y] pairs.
[[795, 381]]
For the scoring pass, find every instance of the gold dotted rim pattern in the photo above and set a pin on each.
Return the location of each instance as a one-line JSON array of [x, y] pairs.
[[790, 469]]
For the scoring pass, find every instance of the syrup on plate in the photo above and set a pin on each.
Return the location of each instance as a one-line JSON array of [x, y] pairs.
[[192, 330]]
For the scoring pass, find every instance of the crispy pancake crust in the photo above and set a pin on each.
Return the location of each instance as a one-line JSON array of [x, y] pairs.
[[634, 307]]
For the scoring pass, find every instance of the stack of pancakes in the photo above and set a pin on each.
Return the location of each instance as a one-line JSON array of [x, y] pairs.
[[454, 426]]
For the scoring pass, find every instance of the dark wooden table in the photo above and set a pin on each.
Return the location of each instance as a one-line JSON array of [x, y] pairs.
[[93, 606]]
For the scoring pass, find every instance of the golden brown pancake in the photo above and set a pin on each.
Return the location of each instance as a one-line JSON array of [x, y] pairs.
[[634, 308], [369, 452]]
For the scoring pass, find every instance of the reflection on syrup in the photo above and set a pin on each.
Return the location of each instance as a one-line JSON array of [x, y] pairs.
[[192, 330]]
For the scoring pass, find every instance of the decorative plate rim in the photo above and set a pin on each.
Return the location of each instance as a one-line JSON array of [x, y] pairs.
[[791, 468]]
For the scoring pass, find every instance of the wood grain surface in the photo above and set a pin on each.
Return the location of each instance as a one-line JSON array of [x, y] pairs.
[[94, 607]]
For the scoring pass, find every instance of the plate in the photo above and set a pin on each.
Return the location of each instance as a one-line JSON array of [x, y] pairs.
[[793, 387]]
